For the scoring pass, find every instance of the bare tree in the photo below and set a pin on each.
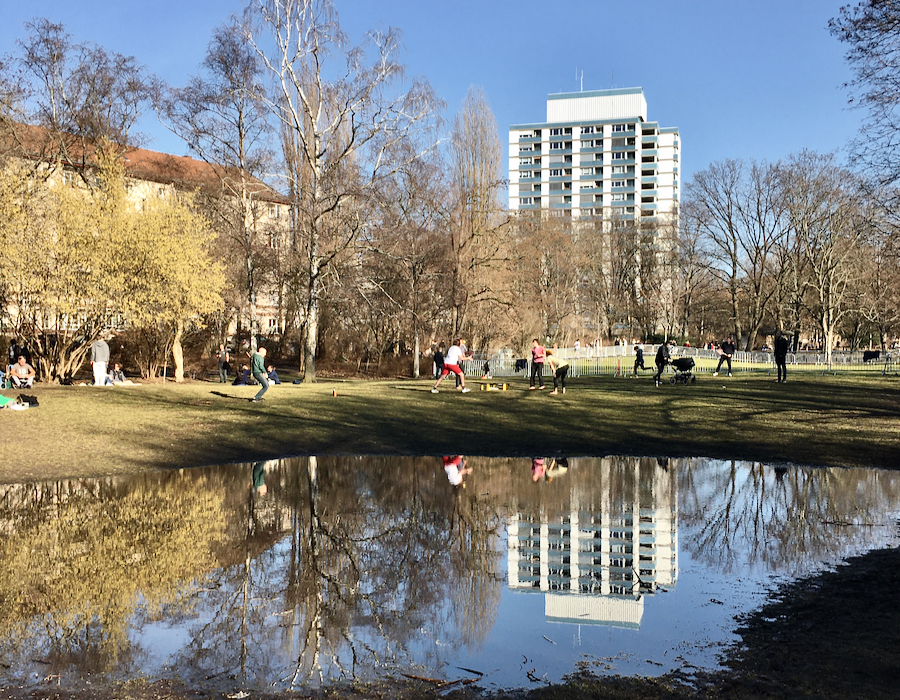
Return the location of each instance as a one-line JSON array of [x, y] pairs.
[[81, 94], [692, 283], [871, 29], [738, 213], [340, 125], [221, 114], [477, 235], [823, 206], [409, 243]]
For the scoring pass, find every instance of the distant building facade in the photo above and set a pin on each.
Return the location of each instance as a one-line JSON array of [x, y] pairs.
[[596, 155], [216, 190]]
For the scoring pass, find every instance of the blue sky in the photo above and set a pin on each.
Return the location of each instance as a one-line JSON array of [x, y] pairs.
[[740, 79]]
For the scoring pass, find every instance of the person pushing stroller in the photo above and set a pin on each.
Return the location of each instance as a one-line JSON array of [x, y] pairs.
[[663, 356]]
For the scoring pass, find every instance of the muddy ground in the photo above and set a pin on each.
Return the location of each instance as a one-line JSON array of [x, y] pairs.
[[833, 635]]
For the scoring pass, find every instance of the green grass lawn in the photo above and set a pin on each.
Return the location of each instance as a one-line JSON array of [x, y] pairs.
[[844, 420]]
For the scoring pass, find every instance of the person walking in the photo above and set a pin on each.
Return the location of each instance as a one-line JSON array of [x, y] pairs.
[[538, 354], [726, 350], [780, 352], [662, 359], [560, 368], [258, 370], [451, 364], [99, 360]]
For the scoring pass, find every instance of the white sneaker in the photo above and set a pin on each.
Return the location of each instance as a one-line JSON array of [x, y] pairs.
[[433, 390], [715, 374], [729, 374], [465, 390]]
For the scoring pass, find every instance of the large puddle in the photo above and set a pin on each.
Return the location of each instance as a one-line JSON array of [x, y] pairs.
[[295, 572]]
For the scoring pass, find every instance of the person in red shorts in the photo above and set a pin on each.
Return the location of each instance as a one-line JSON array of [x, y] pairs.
[[451, 364]]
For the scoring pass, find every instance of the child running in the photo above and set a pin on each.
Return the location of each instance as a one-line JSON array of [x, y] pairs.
[[451, 364]]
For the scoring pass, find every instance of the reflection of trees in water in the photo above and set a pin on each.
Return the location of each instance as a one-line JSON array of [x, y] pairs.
[[376, 557], [782, 519], [80, 559], [349, 565]]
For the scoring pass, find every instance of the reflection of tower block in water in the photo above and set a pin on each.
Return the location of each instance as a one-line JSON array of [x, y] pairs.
[[494, 386]]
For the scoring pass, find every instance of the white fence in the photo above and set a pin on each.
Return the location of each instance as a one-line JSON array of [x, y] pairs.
[[618, 360]]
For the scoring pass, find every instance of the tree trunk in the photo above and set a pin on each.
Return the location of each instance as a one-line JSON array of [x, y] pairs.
[[178, 352], [311, 337]]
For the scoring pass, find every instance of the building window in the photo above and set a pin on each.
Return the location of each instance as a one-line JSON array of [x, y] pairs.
[[525, 174], [587, 171], [621, 127], [587, 130], [557, 172], [618, 183], [619, 156], [619, 197], [525, 161], [525, 200]]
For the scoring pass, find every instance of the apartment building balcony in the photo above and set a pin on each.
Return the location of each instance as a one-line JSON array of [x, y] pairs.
[[529, 139]]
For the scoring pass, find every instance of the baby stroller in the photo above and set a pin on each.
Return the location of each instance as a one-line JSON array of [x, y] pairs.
[[683, 374]]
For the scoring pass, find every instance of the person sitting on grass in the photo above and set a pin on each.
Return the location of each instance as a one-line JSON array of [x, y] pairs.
[[21, 374], [272, 375], [243, 377], [115, 375]]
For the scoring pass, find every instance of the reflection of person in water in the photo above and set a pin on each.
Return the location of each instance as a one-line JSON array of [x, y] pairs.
[[557, 467], [456, 469], [258, 478], [538, 468]]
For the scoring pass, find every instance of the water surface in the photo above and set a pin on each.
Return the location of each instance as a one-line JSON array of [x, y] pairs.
[[514, 572]]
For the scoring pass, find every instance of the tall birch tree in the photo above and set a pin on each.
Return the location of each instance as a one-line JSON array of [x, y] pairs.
[[343, 110]]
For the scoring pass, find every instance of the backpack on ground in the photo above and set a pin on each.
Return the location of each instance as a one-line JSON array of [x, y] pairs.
[[26, 400]]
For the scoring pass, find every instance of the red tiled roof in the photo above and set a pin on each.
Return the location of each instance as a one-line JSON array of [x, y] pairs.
[[183, 172]]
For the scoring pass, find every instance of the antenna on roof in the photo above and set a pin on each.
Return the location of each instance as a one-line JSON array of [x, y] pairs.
[[612, 79], [582, 81]]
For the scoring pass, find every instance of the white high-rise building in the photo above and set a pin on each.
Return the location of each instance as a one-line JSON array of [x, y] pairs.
[[596, 156]]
